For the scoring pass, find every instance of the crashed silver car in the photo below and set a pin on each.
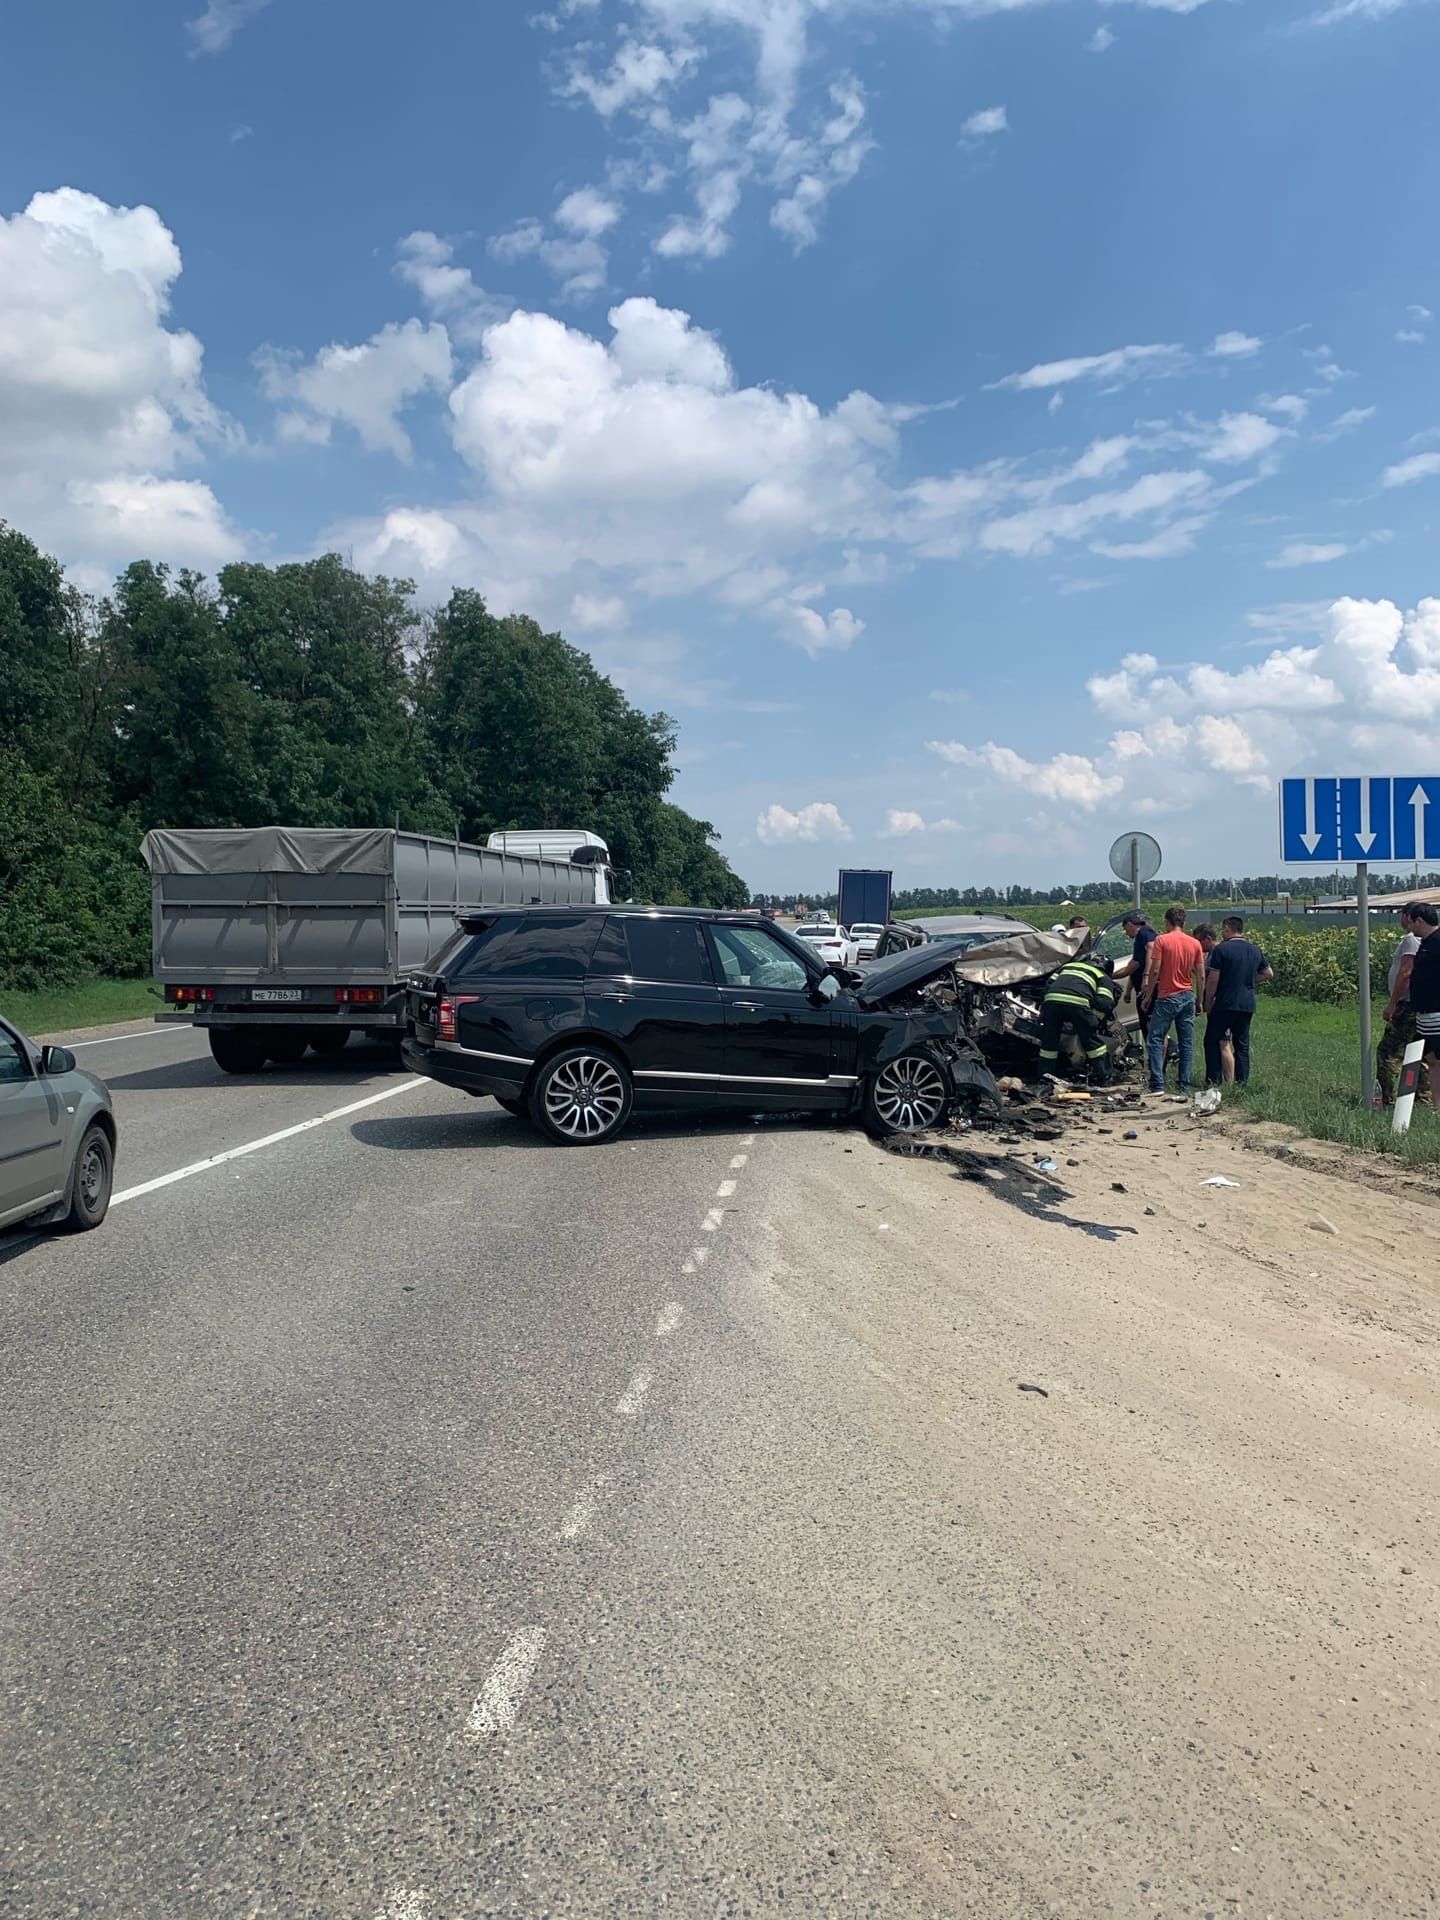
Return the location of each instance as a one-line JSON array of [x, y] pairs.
[[985, 999]]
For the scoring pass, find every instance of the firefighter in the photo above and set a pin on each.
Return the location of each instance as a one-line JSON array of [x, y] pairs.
[[1082, 996]]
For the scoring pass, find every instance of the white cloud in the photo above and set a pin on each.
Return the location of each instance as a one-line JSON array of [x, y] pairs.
[[575, 256], [819, 821], [214, 29], [814, 632], [1235, 346], [1419, 466], [899, 822], [241, 132], [1237, 437], [987, 121], [1346, 422], [1070, 777], [1417, 315], [640, 71], [1118, 366], [1309, 553], [100, 400], [366, 387], [1290, 406], [587, 212], [812, 169], [427, 263], [1101, 40]]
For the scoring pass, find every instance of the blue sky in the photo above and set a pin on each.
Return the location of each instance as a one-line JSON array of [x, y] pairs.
[[986, 427]]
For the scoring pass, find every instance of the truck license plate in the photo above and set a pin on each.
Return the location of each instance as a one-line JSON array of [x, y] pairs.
[[275, 993]]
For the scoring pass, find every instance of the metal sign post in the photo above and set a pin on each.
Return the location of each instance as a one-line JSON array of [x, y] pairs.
[[1331, 819]]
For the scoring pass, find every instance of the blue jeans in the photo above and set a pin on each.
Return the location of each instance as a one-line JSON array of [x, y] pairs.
[[1175, 1010]]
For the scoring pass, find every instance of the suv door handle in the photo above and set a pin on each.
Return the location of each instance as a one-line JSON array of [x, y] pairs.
[[747, 1006], [610, 994]]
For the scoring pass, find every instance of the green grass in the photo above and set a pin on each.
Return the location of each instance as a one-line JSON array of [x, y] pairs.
[[1305, 1071], [92, 1004]]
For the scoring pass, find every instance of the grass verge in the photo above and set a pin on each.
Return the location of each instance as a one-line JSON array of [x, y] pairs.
[[1305, 1071], [94, 1003]]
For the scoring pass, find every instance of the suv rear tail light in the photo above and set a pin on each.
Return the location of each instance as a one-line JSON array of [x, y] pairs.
[[183, 996], [445, 1013], [358, 996]]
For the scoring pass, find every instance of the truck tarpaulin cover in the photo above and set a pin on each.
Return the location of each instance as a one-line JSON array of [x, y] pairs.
[[270, 850], [1024, 956]]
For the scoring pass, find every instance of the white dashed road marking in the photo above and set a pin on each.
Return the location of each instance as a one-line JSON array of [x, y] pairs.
[[712, 1220], [577, 1521], [407, 1903], [739, 1161], [254, 1146], [633, 1398], [725, 1189], [670, 1315], [497, 1705]]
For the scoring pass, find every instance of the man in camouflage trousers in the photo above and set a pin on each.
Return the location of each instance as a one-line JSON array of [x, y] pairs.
[[1399, 1020]]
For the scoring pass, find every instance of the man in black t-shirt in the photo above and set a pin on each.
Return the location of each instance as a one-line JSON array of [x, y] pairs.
[[1132, 971], [1230, 976], [1425, 990]]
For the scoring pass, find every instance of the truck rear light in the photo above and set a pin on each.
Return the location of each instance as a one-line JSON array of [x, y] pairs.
[[183, 996], [358, 996], [445, 1013]]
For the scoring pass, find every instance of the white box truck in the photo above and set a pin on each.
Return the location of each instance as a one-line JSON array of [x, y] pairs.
[[276, 939]]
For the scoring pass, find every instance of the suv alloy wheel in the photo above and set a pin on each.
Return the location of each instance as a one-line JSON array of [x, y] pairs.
[[580, 1097]]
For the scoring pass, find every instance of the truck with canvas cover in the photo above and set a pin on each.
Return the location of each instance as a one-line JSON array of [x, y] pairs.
[[276, 939]]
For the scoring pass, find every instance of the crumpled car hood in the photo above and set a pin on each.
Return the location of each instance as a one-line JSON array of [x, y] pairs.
[[998, 963]]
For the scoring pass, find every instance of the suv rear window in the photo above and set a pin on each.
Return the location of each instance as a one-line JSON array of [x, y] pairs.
[[664, 949], [535, 946]]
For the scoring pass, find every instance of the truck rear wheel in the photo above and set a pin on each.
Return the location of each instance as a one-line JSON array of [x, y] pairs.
[[235, 1051]]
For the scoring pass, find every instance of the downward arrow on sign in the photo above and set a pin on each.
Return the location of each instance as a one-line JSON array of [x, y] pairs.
[[1365, 838], [1310, 839]]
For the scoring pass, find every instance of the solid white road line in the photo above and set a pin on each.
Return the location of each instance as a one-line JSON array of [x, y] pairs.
[[669, 1318], [146, 1033], [739, 1161], [254, 1146], [497, 1705], [577, 1521], [725, 1189], [633, 1398]]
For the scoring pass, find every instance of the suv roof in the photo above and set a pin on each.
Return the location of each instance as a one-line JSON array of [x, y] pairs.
[[735, 914]]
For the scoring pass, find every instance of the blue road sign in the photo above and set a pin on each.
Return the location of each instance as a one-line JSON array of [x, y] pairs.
[[1417, 818], [1331, 821], [1310, 821]]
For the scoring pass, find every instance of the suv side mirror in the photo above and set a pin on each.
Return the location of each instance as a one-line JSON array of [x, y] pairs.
[[56, 1060], [826, 987]]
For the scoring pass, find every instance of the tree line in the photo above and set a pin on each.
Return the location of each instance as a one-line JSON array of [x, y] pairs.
[[1113, 893], [306, 694]]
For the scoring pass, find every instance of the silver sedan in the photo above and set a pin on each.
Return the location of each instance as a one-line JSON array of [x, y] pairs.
[[57, 1137]]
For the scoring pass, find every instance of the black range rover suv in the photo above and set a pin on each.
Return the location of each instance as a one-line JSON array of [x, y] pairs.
[[574, 1015]]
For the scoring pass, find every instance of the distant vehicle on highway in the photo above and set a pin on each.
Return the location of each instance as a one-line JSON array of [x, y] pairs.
[[832, 943], [57, 1137], [866, 936], [275, 939], [574, 1016]]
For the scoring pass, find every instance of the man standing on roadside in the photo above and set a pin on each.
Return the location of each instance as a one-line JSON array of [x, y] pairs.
[[1234, 967], [1170, 992], [1399, 1015], [1132, 971], [1425, 991]]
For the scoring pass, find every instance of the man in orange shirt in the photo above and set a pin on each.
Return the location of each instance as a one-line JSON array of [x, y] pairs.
[[1174, 971]]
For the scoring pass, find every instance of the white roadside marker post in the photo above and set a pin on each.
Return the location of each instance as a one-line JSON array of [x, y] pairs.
[[1409, 1085]]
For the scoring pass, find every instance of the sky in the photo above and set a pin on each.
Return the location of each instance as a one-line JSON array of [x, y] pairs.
[[986, 427]]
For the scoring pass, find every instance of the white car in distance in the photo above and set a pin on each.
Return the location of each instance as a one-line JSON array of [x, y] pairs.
[[833, 944], [865, 937]]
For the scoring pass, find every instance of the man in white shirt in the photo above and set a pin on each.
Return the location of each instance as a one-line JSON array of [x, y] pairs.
[[1399, 1020]]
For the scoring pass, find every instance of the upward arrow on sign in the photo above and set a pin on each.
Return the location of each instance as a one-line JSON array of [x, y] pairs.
[[1419, 801], [1310, 838]]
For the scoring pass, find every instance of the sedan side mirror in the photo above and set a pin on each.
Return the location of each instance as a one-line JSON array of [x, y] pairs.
[[826, 987], [56, 1060]]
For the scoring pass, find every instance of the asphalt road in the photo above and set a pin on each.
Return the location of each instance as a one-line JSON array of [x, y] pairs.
[[407, 1520]]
